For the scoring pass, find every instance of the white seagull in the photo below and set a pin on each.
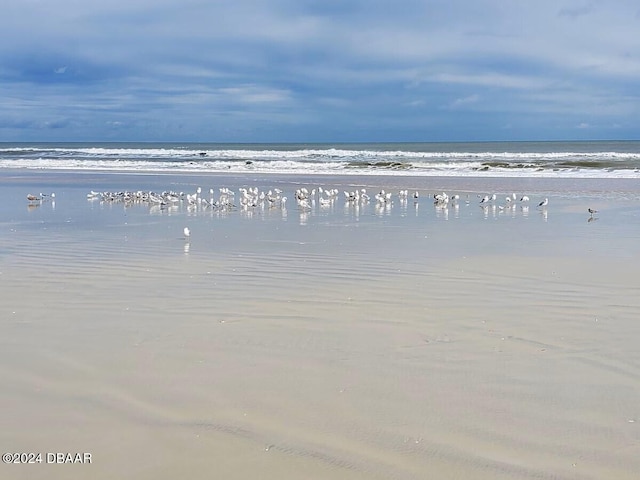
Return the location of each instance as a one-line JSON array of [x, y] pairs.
[[187, 233], [544, 203]]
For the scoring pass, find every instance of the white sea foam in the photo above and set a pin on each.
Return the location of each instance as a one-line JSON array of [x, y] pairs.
[[335, 161], [324, 154], [467, 169]]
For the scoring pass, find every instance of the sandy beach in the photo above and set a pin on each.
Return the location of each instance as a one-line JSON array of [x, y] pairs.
[[408, 341]]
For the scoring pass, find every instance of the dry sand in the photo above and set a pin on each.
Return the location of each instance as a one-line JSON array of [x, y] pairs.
[[406, 343]]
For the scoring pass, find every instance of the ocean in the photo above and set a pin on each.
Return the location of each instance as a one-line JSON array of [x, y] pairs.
[[595, 159]]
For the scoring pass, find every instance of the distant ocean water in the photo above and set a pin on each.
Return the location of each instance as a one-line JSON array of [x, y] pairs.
[[598, 159]]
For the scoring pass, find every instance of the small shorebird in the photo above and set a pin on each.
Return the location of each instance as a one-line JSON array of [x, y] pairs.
[[592, 211], [544, 203], [187, 233], [33, 198]]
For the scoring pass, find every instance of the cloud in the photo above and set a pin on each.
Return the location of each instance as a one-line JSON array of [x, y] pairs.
[[305, 69], [576, 11], [461, 102], [252, 94]]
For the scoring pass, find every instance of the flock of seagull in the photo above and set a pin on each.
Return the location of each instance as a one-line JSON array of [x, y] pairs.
[[225, 199], [249, 199], [305, 198]]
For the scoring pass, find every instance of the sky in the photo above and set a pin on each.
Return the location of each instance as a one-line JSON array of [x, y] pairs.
[[319, 70]]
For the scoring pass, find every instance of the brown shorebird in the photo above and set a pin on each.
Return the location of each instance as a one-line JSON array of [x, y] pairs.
[[33, 198]]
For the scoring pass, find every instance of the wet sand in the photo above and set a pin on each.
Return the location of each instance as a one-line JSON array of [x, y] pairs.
[[405, 342]]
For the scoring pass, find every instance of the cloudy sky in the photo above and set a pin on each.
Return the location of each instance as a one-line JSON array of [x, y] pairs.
[[319, 70]]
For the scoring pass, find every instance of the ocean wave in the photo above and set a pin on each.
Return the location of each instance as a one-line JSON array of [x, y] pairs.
[[318, 168], [325, 154], [330, 160]]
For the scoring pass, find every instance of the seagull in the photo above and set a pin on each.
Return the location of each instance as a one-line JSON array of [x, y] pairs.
[[324, 202], [304, 204], [544, 203], [524, 198], [592, 211], [187, 233]]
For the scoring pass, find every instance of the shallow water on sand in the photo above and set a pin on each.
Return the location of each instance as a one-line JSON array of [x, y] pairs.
[[400, 343]]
